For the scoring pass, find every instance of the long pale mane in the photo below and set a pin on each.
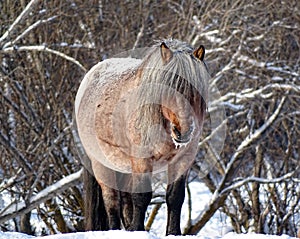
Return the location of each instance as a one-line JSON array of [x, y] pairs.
[[183, 73]]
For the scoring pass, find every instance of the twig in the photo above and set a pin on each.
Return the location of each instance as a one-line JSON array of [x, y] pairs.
[[138, 37], [152, 216], [23, 14], [30, 28], [19, 208], [46, 49], [258, 180]]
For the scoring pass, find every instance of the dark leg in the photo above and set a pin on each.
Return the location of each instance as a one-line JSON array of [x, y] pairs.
[[127, 209], [94, 210], [175, 197], [124, 182], [141, 198], [140, 204], [112, 207]]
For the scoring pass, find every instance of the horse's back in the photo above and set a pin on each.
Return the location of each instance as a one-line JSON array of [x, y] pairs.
[[102, 74], [95, 103]]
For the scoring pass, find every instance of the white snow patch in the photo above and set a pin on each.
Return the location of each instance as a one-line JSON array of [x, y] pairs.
[[14, 235], [218, 227], [253, 235], [119, 234]]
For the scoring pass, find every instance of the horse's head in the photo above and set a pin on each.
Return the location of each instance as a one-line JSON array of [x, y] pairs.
[[183, 105], [173, 88]]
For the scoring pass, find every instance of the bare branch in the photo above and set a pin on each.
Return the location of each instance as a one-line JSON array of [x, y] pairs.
[[45, 49], [19, 208], [23, 14], [259, 180], [218, 198], [249, 140], [30, 28]]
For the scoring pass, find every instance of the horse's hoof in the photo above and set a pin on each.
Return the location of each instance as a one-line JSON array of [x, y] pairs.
[[135, 228]]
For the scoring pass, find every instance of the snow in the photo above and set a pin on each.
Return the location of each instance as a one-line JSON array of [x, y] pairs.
[[119, 234], [217, 227], [48, 192], [14, 235]]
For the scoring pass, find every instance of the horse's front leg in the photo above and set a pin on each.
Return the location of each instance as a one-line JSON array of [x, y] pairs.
[[140, 203], [141, 195], [175, 197], [127, 209], [112, 206]]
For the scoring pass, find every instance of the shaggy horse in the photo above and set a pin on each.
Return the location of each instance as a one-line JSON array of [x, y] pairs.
[[138, 118]]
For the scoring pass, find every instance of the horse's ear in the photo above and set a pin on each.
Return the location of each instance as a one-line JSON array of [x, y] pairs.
[[199, 53], [166, 53]]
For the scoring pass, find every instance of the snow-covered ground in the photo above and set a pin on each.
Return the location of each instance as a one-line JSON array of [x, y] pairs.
[[133, 235], [217, 227]]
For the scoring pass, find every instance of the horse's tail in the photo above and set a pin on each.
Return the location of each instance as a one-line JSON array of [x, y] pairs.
[[94, 210]]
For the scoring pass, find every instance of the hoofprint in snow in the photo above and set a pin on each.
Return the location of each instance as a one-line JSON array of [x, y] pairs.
[[217, 227]]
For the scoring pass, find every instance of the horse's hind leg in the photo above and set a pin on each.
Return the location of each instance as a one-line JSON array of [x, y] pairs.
[[94, 210], [112, 206], [175, 197]]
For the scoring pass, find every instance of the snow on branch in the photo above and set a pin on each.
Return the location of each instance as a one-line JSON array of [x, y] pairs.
[[252, 94], [250, 139], [30, 28], [259, 180], [268, 66], [18, 208], [23, 14], [231, 63], [219, 196], [46, 49], [9, 182]]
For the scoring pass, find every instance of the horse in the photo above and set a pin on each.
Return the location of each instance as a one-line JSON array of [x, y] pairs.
[[137, 118]]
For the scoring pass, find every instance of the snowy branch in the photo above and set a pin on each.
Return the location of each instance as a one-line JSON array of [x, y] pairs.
[[45, 49], [30, 28], [218, 198], [6, 183], [247, 141], [267, 66], [259, 93], [23, 14], [19, 208], [259, 180]]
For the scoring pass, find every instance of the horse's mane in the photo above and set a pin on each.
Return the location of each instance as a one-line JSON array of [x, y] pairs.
[[183, 73]]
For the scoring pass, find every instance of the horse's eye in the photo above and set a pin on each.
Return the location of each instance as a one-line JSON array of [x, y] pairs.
[[177, 132]]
